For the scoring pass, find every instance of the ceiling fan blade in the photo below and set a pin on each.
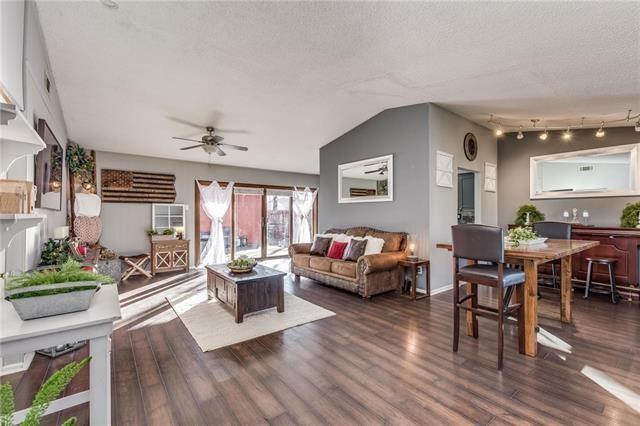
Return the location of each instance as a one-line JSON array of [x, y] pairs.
[[238, 147], [185, 139], [218, 139], [220, 152], [237, 131], [191, 147], [186, 123]]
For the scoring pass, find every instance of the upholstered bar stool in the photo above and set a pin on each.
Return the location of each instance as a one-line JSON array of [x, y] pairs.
[[481, 243], [611, 266]]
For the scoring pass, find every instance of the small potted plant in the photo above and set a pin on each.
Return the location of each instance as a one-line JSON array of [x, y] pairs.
[[167, 234], [242, 265], [530, 212], [523, 235], [630, 216], [38, 294]]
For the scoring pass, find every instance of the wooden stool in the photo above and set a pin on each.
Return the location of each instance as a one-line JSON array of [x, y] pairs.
[[611, 264], [136, 265]]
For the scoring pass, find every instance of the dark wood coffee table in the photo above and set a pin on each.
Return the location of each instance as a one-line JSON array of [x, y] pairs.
[[254, 291]]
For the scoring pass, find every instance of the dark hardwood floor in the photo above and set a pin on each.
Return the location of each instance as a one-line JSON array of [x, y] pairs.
[[384, 360]]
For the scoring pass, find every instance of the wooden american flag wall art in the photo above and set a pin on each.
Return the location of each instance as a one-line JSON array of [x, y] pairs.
[[121, 186]]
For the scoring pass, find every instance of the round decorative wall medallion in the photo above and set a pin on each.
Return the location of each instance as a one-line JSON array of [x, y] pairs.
[[470, 146]]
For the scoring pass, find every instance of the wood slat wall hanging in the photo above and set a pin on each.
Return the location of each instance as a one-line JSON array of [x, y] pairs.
[[121, 186]]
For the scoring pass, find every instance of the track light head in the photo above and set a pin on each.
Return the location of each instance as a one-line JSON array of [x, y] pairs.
[[567, 134], [545, 135], [638, 125], [520, 135], [499, 132], [600, 132]]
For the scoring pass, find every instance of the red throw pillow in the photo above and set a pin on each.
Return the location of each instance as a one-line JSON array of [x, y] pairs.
[[336, 250]]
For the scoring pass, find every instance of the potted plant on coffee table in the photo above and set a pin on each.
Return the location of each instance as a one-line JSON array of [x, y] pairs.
[[38, 294]]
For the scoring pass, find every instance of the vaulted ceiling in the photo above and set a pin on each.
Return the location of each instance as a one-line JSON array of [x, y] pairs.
[[294, 76]]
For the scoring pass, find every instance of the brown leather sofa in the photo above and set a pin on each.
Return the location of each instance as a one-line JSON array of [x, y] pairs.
[[370, 275]]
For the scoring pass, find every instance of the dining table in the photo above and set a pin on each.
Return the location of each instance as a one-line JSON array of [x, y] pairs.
[[530, 256]]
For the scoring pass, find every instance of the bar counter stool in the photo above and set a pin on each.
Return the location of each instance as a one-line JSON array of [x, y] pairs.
[[481, 243], [611, 266]]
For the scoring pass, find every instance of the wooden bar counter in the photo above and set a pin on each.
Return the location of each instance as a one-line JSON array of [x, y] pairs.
[[621, 244]]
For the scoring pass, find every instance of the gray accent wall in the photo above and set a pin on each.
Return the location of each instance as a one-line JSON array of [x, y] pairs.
[[513, 174], [446, 133], [398, 131], [412, 134], [123, 225]]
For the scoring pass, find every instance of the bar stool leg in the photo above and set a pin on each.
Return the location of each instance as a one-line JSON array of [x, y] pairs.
[[588, 283], [554, 277], [612, 281], [456, 313], [500, 325]]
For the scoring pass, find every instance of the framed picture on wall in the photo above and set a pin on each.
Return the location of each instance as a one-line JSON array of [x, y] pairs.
[[49, 165], [444, 169], [490, 177]]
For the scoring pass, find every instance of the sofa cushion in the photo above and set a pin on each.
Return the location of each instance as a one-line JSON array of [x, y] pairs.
[[355, 249], [320, 246], [301, 260], [341, 267], [392, 240], [374, 245], [336, 250], [320, 263]]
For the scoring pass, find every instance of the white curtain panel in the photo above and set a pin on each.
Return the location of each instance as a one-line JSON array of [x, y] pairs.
[[215, 202], [302, 206]]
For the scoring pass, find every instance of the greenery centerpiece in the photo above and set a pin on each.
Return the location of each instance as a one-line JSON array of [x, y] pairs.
[[630, 213], [521, 234], [48, 392], [167, 234], [80, 162], [242, 264], [69, 288], [57, 252], [535, 215]]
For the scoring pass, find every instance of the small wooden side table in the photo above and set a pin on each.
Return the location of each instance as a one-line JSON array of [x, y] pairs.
[[414, 264]]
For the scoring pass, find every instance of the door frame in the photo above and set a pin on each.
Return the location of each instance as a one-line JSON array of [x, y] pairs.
[[263, 217]]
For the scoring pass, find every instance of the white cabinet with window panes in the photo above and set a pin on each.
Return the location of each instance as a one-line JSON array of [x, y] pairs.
[[165, 216]]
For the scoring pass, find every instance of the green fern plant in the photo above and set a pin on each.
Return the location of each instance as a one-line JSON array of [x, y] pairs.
[[629, 218], [535, 215], [70, 271], [48, 392]]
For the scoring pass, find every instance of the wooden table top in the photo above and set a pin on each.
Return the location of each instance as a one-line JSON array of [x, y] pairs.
[[259, 272], [550, 250]]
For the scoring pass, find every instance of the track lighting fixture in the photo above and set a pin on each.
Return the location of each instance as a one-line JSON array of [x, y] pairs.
[[520, 134], [499, 132], [600, 132], [567, 134], [544, 135]]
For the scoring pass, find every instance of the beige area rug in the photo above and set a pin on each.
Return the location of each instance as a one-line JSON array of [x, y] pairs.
[[213, 325]]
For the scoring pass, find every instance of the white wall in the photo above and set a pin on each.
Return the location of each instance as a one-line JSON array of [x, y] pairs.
[[446, 133], [123, 225], [24, 251]]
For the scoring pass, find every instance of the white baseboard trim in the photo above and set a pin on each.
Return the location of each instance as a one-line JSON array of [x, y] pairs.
[[441, 289]]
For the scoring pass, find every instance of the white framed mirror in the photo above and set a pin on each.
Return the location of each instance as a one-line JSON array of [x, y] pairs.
[[602, 172], [366, 181]]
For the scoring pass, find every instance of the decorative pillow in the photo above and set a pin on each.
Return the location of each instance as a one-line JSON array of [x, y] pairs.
[[355, 249], [374, 245], [337, 250], [320, 246]]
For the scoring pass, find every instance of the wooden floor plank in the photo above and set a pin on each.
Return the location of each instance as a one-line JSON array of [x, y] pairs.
[[378, 361]]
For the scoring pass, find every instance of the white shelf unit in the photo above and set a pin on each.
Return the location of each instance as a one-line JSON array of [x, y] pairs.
[[12, 224], [17, 139]]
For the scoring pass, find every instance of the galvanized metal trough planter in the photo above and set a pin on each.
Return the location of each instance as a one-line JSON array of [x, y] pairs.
[[38, 306]]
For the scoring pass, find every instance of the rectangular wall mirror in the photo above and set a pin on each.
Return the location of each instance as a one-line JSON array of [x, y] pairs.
[[367, 180], [603, 172], [49, 165]]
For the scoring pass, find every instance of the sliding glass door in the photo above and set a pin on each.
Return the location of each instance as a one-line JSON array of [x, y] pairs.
[[260, 222], [278, 219], [248, 221]]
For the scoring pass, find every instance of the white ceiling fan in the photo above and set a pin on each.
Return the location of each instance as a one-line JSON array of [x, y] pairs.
[[211, 143]]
